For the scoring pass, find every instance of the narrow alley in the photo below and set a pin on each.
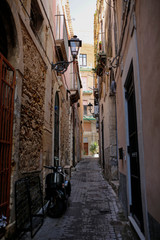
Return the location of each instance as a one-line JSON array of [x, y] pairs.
[[94, 212], [79, 93]]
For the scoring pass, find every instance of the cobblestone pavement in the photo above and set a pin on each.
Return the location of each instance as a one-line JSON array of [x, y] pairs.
[[94, 212]]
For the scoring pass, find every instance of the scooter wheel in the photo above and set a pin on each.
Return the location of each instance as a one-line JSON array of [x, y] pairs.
[[55, 210]]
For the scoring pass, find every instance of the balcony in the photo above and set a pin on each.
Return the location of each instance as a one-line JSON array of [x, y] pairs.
[[101, 64], [61, 38], [87, 92]]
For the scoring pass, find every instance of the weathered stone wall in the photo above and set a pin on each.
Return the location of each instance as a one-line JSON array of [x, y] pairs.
[[32, 108], [64, 129], [123, 192], [110, 170], [110, 142]]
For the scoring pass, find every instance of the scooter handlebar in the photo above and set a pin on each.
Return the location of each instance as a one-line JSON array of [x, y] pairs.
[[56, 169], [50, 167]]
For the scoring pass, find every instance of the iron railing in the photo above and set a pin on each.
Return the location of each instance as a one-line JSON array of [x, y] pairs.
[[7, 84], [28, 205]]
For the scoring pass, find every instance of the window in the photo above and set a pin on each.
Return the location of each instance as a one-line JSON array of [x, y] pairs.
[[83, 59], [36, 18], [85, 110], [85, 140], [87, 126], [84, 83], [85, 148]]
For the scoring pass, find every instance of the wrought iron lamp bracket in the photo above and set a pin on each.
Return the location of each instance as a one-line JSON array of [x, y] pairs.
[[61, 66]]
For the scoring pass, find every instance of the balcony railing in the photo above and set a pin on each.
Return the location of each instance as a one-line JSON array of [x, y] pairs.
[[61, 38]]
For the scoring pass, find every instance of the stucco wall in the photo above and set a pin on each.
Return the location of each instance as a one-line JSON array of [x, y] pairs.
[[148, 35]]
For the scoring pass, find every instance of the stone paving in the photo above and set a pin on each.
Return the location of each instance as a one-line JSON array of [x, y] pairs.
[[94, 212]]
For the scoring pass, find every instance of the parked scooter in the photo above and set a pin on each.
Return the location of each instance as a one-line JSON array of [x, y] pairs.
[[57, 191]]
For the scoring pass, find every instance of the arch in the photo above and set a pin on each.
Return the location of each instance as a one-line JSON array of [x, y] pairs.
[[10, 34], [11, 59]]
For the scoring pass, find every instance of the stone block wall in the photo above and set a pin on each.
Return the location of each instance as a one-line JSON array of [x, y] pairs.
[[32, 108], [110, 144], [64, 130], [123, 192], [110, 170]]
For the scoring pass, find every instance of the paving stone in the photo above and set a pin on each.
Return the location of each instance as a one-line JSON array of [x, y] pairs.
[[94, 212]]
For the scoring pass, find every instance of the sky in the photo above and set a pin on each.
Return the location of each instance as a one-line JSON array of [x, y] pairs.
[[82, 15]]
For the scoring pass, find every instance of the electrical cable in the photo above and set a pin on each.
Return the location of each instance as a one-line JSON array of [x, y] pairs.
[[123, 32], [57, 53], [35, 31], [109, 4], [50, 27], [40, 40], [25, 9]]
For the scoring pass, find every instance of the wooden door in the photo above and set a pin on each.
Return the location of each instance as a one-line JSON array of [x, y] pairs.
[[85, 148]]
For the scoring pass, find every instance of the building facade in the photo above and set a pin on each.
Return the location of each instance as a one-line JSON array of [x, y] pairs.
[[86, 61], [37, 105], [105, 94], [131, 71]]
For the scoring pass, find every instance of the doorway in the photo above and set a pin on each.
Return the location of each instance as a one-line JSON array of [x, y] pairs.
[[7, 85], [85, 148], [133, 151]]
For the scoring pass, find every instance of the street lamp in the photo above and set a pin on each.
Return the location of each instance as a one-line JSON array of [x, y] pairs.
[[90, 106], [74, 44]]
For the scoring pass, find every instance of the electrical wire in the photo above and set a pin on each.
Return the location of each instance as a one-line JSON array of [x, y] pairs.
[[40, 40], [109, 4], [25, 9], [57, 53], [50, 27], [35, 31]]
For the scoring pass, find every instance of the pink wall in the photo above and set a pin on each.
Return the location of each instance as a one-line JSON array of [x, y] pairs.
[[148, 35]]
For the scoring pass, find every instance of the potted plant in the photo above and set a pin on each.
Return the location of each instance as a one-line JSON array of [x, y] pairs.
[[98, 70], [101, 63], [93, 148]]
